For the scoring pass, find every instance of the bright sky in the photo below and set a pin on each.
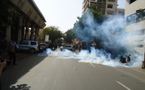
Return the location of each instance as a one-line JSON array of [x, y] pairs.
[[63, 13]]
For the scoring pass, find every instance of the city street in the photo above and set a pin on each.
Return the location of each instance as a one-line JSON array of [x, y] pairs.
[[72, 45], [51, 73]]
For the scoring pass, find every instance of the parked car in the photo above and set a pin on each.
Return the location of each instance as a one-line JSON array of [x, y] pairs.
[[68, 47], [43, 46], [28, 45]]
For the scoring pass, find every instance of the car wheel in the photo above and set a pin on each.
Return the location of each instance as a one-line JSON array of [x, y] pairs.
[[32, 50]]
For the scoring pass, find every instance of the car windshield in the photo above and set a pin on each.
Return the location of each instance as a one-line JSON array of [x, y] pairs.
[[24, 42], [33, 43]]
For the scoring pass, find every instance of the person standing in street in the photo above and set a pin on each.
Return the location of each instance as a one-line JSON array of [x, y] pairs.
[[12, 50]]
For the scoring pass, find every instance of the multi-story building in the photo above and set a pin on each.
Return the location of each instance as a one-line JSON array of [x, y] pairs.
[[27, 22], [107, 7], [135, 23], [120, 11], [87, 3]]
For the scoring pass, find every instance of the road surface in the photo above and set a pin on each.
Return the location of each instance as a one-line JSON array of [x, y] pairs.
[[52, 73]]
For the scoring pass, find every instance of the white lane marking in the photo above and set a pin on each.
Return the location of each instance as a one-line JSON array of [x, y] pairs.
[[93, 65], [123, 85]]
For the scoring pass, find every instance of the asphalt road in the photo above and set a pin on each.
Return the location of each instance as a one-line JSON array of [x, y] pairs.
[[51, 73]]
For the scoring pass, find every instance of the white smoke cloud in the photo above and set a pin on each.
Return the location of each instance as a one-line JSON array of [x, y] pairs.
[[96, 56], [115, 40], [46, 52], [113, 37]]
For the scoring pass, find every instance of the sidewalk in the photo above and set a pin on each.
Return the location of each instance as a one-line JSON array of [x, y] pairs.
[[19, 55]]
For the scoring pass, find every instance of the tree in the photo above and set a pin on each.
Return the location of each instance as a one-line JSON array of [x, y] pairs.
[[53, 32], [8, 14], [89, 21], [69, 35], [98, 16]]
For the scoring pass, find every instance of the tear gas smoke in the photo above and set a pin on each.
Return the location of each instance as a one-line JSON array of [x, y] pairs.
[[114, 40], [96, 56], [110, 35], [46, 52]]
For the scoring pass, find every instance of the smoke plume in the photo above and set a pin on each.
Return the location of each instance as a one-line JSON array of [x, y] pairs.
[[110, 35], [111, 38]]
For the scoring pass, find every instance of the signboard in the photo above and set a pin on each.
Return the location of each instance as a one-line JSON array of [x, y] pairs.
[[46, 38]]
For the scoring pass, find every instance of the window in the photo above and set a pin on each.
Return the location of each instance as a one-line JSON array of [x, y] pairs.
[[121, 12], [24, 42], [33, 43], [136, 17], [138, 45], [109, 6], [139, 32], [110, 12], [131, 1], [131, 19], [102, 6], [140, 15]]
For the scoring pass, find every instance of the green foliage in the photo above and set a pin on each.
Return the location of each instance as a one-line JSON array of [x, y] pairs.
[[98, 16], [8, 14], [89, 20], [53, 32], [94, 7], [69, 35], [92, 11], [59, 40]]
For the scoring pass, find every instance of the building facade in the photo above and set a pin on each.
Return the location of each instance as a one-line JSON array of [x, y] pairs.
[[28, 21], [106, 7], [87, 3], [135, 22]]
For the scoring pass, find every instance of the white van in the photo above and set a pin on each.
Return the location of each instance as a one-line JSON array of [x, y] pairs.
[[28, 45], [68, 47]]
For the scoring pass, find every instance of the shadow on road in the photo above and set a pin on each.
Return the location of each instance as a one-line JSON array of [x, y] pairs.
[[14, 72], [21, 87]]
